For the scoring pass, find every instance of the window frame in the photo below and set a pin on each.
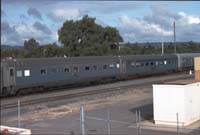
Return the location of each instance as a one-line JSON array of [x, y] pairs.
[[105, 67], [75, 69], [29, 73], [11, 72], [87, 68], [67, 70], [44, 70], [94, 67], [17, 73]]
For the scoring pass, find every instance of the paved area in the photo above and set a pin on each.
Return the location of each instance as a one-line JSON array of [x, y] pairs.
[[63, 117]]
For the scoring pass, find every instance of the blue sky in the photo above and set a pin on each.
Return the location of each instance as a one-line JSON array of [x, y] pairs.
[[137, 21]]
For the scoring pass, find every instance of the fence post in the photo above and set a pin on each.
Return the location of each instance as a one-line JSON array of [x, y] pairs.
[[108, 122], [18, 112], [139, 123], [136, 117], [82, 121]]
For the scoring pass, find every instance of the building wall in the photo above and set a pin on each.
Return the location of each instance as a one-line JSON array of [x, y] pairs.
[[192, 95], [172, 99], [197, 68]]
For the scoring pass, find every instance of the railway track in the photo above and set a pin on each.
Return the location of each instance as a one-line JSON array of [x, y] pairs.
[[84, 93]]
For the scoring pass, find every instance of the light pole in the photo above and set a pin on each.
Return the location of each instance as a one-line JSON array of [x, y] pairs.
[[174, 29], [174, 37], [162, 43], [162, 47]]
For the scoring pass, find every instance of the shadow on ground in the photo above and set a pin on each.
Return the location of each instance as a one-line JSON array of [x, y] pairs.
[[146, 112]]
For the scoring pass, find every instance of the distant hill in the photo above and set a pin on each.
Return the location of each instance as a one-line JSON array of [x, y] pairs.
[[9, 47]]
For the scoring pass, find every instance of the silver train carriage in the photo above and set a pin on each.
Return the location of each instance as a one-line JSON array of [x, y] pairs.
[[38, 73]]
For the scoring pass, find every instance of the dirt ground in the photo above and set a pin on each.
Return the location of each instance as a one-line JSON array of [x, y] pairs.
[[41, 112]]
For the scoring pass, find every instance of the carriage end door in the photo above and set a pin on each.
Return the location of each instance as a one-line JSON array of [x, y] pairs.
[[11, 76]]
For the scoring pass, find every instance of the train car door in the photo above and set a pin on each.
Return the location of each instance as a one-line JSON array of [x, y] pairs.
[[11, 76], [75, 70], [122, 68]]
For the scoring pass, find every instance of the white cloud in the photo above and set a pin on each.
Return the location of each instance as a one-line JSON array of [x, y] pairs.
[[189, 19], [65, 14], [3, 39], [15, 34], [28, 30], [158, 24], [144, 26]]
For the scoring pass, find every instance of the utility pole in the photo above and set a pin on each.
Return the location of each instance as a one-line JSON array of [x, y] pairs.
[[162, 47], [18, 111], [174, 37], [82, 122]]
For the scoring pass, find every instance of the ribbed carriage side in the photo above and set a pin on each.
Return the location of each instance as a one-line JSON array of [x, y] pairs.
[[150, 64], [35, 72], [1, 81], [186, 61]]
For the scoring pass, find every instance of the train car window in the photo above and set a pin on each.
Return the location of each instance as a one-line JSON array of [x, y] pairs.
[[184, 60], [152, 63], [19, 73], [161, 63], [156, 63], [87, 68], [142, 64], [117, 65], [147, 63], [26, 72], [133, 64], [43, 71], [104, 66], [111, 66], [95, 67], [165, 62], [138, 64], [66, 69], [11, 72], [75, 69]]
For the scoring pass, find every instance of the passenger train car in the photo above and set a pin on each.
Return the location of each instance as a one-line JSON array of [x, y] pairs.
[[32, 74]]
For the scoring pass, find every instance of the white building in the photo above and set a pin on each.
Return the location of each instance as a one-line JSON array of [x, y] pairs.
[[172, 99]]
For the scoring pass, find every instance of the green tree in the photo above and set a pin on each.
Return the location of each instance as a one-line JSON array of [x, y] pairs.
[[30, 44], [85, 37], [30, 48]]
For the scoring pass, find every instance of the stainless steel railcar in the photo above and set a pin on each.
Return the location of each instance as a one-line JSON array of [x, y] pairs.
[[186, 61], [38, 73]]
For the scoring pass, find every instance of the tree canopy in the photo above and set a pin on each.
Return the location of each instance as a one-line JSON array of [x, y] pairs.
[[30, 44], [85, 37]]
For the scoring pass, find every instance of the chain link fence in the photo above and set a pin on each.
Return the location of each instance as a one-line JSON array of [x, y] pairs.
[[138, 126]]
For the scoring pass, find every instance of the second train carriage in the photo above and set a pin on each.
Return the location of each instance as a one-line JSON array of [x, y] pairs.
[[186, 61], [150, 64], [29, 73]]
